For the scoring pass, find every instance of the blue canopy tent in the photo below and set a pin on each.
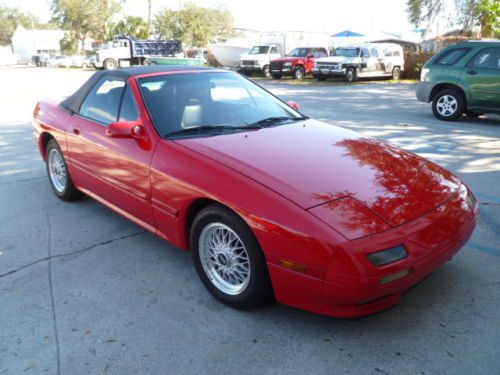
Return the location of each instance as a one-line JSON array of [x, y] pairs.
[[347, 34]]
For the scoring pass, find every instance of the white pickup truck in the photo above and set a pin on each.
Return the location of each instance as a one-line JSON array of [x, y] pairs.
[[259, 58], [364, 60]]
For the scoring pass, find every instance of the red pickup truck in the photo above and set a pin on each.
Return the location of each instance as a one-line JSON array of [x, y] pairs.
[[297, 63]]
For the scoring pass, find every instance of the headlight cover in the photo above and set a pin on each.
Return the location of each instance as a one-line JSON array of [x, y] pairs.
[[287, 64], [388, 256]]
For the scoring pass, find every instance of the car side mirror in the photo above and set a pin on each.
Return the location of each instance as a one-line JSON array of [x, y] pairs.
[[293, 104], [126, 129]]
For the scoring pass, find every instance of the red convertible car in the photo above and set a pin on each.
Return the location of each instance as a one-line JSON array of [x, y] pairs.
[[270, 202]]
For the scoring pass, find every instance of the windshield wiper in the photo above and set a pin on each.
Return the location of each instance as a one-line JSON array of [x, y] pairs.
[[197, 129], [269, 121]]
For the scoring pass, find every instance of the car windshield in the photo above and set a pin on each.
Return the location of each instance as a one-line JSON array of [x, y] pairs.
[[259, 50], [208, 101], [347, 52], [299, 52]]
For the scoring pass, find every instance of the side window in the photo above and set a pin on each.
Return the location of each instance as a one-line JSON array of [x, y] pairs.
[[451, 56], [397, 53], [365, 52], [374, 52], [322, 53], [103, 101], [128, 109], [487, 58], [274, 49]]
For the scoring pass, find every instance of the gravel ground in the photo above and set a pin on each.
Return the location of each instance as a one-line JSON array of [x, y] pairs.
[[84, 291]]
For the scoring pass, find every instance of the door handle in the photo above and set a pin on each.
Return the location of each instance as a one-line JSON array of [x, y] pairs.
[[76, 131], [471, 72]]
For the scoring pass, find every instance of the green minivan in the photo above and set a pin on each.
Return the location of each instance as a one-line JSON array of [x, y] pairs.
[[463, 78]]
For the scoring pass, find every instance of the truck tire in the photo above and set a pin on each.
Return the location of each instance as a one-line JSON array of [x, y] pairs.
[[448, 105], [266, 70], [109, 64], [350, 75], [299, 73], [396, 73]]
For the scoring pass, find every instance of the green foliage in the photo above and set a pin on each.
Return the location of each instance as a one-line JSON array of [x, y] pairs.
[[471, 13], [195, 26], [131, 25], [487, 13], [89, 18], [10, 18]]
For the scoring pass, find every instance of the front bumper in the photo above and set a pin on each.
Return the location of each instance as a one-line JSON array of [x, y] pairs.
[[352, 286], [423, 91], [283, 70], [329, 72]]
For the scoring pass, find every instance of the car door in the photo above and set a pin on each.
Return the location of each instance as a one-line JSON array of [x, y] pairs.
[[114, 169], [375, 61], [367, 65], [310, 58], [482, 76]]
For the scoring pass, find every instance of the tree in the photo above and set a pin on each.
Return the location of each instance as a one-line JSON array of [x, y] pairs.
[[134, 26], [484, 14], [89, 18], [10, 18], [195, 26]]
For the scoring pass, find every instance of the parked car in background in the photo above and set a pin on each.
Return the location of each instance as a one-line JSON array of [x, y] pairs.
[[259, 59], [128, 51], [463, 78], [297, 63], [365, 60]]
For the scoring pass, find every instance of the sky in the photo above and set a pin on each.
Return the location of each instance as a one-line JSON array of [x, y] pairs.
[[265, 15]]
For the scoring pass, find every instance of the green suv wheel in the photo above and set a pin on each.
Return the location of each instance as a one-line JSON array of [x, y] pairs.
[[448, 105]]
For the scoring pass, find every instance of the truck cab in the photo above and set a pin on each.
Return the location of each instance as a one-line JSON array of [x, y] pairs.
[[364, 60], [297, 63], [258, 59]]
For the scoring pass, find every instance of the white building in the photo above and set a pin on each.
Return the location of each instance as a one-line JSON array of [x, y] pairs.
[[27, 43]]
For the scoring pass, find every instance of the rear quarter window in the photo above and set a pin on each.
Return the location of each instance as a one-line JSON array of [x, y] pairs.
[[451, 57]]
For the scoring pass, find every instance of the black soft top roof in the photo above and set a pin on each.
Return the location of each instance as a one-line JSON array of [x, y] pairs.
[[73, 102]]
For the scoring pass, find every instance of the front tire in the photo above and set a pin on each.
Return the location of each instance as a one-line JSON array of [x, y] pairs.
[[228, 258], [448, 105], [110, 64], [266, 71], [299, 72], [58, 173], [350, 75]]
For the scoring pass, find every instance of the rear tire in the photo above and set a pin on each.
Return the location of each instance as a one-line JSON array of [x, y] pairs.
[[58, 173], [396, 73], [448, 105], [228, 258]]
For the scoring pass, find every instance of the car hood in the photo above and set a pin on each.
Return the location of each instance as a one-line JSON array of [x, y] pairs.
[[254, 56], [288, 59], [337, 59], [312, 164]]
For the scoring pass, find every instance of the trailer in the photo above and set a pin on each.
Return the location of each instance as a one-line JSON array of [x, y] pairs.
[[126, 51]]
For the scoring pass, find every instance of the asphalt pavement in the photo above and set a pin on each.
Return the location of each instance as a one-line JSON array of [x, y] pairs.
[[84, 291]]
